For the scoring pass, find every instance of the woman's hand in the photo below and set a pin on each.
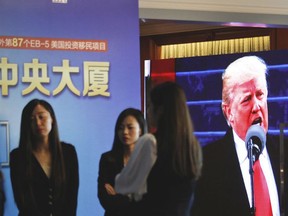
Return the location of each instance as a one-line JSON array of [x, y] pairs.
[[110, 190]]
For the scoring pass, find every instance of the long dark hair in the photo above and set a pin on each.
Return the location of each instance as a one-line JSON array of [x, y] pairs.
[[175, 133], [118, 147], [27, 145]]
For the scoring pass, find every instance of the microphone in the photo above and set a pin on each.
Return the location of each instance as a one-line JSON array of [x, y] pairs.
[[255, 141]]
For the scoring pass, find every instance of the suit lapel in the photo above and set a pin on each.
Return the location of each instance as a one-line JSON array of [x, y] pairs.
[[235, 187]]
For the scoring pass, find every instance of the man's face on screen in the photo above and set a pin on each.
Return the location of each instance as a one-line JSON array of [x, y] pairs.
[[248, 106]]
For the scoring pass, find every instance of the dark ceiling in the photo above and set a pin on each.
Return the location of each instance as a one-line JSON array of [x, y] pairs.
[[150, 27]]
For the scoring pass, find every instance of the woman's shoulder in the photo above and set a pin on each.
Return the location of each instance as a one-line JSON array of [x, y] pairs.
[[68, 149], [108, 155], [17, 156], [15, 153], [110, 158], [66, 145], [148, 138]]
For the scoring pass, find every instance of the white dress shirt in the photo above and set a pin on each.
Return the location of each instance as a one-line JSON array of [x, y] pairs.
[[132, 180], [266, 168]]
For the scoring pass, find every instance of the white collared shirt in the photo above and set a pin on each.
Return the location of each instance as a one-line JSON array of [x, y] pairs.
[[267, 170]]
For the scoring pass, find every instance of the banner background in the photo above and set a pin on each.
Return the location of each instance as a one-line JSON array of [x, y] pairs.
[[87, 122]]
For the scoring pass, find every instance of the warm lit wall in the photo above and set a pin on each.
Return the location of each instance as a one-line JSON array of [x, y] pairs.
[[150, 44], [272, 12]]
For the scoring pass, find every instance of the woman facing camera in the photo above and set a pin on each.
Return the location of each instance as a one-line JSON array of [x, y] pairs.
[[44, 170], [130, 126]]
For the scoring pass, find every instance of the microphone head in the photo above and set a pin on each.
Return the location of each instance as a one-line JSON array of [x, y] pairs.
[[257, 135]]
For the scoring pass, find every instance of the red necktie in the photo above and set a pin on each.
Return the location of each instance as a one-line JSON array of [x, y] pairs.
[[262, 198]]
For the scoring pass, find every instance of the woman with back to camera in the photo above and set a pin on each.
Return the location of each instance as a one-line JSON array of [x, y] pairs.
[[172, 180], [130, 125], [44, 170]]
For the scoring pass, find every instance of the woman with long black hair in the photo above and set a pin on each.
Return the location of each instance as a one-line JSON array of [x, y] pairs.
[[172, 180], [44, 170]]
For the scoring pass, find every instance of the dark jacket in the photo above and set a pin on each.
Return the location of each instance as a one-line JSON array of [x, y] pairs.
[[42, 186], [221, 189], [168, 193], [115, 205]]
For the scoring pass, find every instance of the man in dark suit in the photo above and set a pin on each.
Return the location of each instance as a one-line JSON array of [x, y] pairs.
[[225, 186]]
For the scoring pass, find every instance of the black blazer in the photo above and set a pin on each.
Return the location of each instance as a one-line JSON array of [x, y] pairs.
[[41, 184], [115, 205], [221, 189], [168, 193]]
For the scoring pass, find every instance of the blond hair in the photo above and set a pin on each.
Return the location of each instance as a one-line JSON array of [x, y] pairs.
[[241, 70]]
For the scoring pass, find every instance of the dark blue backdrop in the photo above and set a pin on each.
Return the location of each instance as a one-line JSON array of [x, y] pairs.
[[201, 79]]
